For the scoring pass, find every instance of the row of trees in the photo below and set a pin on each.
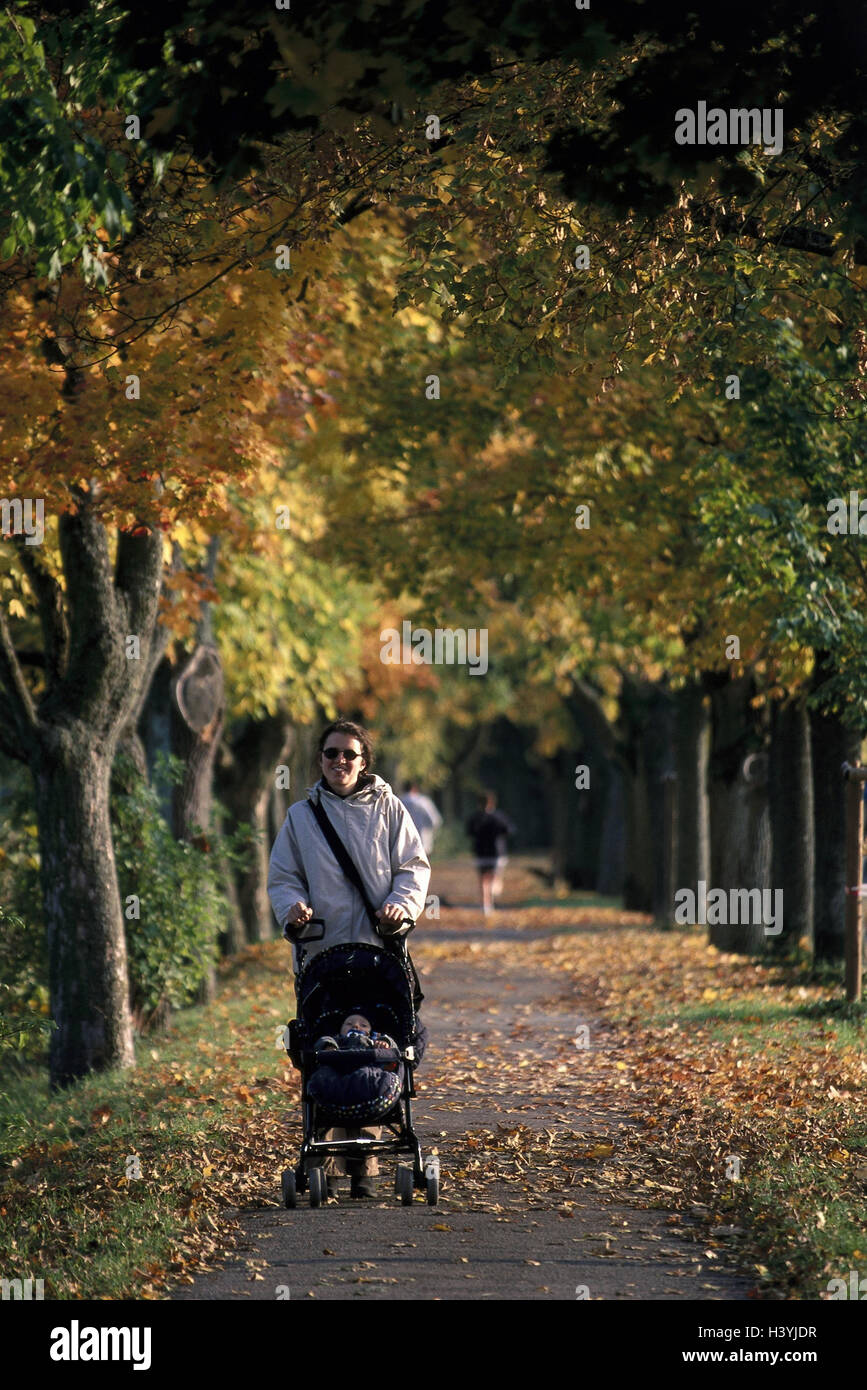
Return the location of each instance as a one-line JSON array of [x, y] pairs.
[[249, 462]]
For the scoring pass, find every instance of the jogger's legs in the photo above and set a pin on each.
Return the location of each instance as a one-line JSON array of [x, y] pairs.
[[486, 879]]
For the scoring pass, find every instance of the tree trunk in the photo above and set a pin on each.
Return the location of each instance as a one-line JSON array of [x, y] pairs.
[[638, 878], [131, 745], [558, 803], [644, 720], [155, 730], [791, 802], [833, 743], [739, 816], [235, 937], [659, 758], [197, 722], [277, 806], [81, 902], [692, 741], [612, 843], [304, 765], [629, 745], [246, 784], [98, 632], [463, 754], [583, 808]]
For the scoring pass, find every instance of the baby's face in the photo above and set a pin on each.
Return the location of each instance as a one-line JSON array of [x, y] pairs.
[[356, 1022]]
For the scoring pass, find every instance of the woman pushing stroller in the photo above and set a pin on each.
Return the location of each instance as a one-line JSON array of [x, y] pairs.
[[305, 879]]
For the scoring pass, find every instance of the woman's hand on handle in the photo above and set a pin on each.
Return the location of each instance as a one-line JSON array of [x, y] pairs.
[[392, 918], [392, 914], [298, 914]]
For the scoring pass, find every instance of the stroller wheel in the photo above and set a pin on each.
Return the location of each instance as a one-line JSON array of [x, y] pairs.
[[432, 1180], [318, 1189], [405, 1185], [288, 1185]]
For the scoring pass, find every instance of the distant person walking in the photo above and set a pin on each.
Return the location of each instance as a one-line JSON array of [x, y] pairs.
[[488, 829], [424, 813]]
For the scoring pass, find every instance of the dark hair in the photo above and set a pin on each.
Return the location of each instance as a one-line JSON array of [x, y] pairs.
[[346, 726]]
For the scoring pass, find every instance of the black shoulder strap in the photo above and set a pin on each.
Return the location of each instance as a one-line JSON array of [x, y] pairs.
[[339, 851]]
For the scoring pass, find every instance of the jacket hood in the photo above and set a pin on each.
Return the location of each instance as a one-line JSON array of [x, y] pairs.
[[373, 788]]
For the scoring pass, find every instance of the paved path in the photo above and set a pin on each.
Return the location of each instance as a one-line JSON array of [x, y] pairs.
[[520, 1120]]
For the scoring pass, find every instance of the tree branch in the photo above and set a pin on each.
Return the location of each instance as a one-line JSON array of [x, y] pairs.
[[588, 704], [49, 599], [137, 585], [92, 614], [16, 702]]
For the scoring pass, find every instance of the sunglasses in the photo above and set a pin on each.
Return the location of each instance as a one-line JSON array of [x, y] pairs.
[[346, 753]]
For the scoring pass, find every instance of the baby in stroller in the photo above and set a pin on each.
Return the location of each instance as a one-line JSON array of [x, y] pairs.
[[355, 1031], [365, 1078]]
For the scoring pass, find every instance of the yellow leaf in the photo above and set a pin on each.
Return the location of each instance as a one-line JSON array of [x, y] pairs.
[[600, 1151]]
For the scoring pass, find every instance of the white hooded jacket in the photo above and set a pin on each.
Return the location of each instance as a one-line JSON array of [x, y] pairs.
[[382, 841]]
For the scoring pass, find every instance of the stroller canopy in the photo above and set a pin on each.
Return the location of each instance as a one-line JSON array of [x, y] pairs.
[[357, 978]]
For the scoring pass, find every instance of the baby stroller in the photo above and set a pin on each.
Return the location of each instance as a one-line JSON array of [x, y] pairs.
[[349, 1087]]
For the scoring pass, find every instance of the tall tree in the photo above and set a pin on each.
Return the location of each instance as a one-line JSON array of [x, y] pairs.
[[68, 733], [97, 468]]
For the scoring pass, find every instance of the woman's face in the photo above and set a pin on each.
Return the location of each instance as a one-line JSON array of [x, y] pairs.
[[341, 772]]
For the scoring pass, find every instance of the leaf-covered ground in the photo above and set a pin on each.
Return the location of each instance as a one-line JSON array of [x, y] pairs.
[[601, 1065]]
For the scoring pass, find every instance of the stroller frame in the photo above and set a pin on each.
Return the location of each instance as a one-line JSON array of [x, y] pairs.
[[308, 1175]]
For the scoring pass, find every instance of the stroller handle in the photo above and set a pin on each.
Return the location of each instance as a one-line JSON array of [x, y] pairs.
[[298, 930], [404, 922]]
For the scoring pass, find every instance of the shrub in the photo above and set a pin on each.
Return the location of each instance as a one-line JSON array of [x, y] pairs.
[[172, 942], [174, 888], [24, 1020]]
